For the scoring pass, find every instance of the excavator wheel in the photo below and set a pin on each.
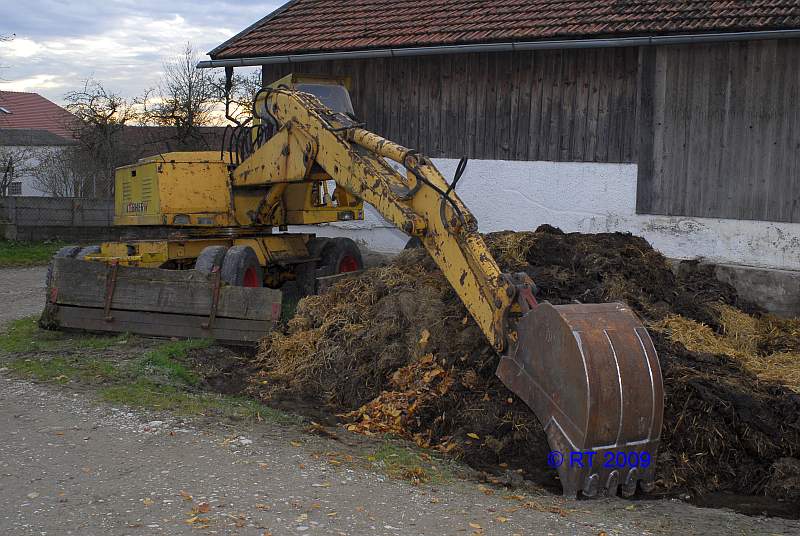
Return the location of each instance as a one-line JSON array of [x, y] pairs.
[[211, 257], [339, 256], [241, 268], [414, 243], [88, 250], [591, 375]]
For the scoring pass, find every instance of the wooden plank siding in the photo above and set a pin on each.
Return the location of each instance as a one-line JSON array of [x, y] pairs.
[[725, 140], [554, 105], [714, 128]]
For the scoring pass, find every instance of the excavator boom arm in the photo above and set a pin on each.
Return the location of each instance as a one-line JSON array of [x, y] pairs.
[[419, 201], [588, 371]]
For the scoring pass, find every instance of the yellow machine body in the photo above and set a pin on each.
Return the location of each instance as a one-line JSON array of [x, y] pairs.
[[182, 189]]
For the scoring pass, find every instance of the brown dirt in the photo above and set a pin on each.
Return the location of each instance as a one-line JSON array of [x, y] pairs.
[[395, 349]]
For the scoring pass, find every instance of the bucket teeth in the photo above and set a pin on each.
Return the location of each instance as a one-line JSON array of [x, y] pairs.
[[591, 375], [604, 483]]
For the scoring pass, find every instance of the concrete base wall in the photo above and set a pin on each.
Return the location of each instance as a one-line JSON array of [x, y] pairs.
[[777, 291]]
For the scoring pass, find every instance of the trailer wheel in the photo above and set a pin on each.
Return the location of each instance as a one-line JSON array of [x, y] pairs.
[[88, 250], [241, 268], [67, 252], [210, 257]]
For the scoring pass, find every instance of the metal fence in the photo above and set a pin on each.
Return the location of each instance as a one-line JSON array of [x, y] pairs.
[[43, 218]]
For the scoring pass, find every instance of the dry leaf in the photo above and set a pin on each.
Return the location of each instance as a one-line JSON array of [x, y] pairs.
[[473, 435], [295, 443], [501, 519], [201, 508], [474, 525], [147, 501], [435, 500], [262, 506], [424, 336], [263, 466], [185, 495], [485, 490], [331, 514]]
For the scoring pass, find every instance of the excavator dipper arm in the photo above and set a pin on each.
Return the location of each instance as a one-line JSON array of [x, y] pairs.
[[589, 371]]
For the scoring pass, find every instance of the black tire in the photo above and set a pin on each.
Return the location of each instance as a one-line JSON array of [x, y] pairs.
[[210, 257], [340, 255], [413, 243], [67, 252], [241, 268], [306, 273], [88, 250]]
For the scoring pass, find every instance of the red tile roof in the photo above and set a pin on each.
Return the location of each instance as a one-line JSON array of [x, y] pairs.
[[302, 26], [32, 111]]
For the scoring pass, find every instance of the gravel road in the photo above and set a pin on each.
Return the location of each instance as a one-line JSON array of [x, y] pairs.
[[72, 465], [22, 292]]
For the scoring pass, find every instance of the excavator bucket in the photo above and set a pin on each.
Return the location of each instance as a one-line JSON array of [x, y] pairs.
[[591, 375]]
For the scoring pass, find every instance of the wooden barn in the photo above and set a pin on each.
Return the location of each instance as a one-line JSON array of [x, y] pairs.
[[673, 119]]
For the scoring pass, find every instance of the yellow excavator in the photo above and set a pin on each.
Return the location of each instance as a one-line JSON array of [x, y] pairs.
[[589, 371]]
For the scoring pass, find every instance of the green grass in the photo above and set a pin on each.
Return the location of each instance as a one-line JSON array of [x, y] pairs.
[[169, 360], [25, 336], [27, 253], [150, 394], [64, 369], [160, 378], [409, 464]]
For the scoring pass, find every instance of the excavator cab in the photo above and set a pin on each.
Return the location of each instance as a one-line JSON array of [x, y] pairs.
[[332, 91]]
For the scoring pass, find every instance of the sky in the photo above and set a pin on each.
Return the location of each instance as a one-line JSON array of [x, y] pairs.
[[121, 43]]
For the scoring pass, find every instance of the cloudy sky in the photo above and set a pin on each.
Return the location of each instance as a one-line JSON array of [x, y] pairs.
[[122, 43]]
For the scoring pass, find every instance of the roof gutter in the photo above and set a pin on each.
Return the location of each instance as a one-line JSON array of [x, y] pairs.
[[505, 47]]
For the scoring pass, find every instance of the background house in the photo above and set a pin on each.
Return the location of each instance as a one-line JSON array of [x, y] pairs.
[[32, 128], [35, 133], [674, 120]]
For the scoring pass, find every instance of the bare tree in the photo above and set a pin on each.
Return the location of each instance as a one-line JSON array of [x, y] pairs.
[[63, 172], [238, 95], [101, 116], [15, 162], [185, 98]]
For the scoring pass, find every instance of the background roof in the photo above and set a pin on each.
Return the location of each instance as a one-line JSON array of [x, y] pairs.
[[304, 26], [33, 112], [25, 137]]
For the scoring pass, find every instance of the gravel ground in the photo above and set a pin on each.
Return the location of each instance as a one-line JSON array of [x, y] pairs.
[[72, 465], [22, 292]]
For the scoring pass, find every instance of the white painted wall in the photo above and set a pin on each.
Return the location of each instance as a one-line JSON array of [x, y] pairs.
[[589, 198], [33, 156]]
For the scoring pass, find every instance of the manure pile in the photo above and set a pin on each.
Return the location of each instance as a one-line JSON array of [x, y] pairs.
[[393, 350]]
